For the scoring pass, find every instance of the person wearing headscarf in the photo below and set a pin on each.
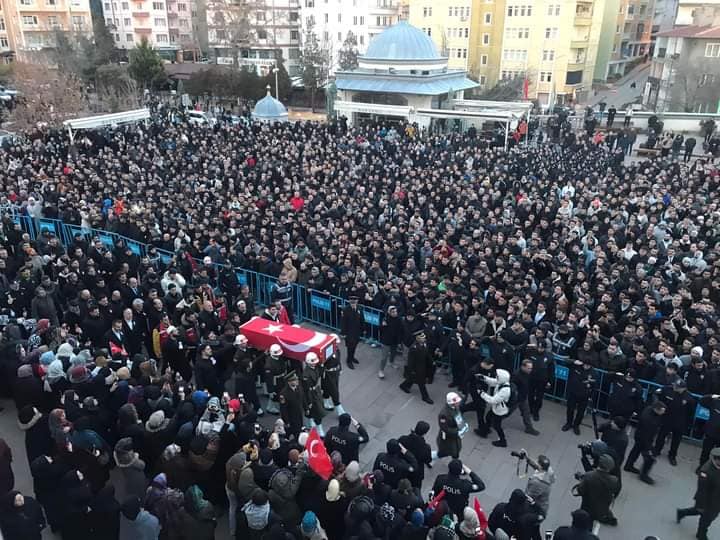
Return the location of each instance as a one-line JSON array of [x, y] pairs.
[[47, 474], [21, 517], [166, 504], [54, 385], [198, 517], [310, 527], [75, 506], [104, 518], [28, 389], [136, 523], [7, 478]]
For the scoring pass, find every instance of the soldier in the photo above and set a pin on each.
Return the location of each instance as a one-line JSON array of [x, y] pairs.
[[416, 371], [343, 440], [707, 496], [351, 327], [580, 386], [680, 409], [331, 381], [275, 370], [312, 391], [292, 405], [626, 397]]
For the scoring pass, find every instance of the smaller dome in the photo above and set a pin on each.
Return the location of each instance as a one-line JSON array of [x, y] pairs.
[[269, 108]]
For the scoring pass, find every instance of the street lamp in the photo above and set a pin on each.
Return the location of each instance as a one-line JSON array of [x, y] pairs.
[[276, 70]]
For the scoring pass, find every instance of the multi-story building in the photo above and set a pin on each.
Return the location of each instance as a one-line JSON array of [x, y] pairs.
[[333, 20], [689, 11], [629, 41], [166, 24], [250, 33], [28, 28], [685, 71]]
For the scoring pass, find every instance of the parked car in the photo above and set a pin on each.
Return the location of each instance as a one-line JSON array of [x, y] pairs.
[[199, 118]]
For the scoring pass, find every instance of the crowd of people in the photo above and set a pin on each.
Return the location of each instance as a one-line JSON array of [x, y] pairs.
[[555, 253]]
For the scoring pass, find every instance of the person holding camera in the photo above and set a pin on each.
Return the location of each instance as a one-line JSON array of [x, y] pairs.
[[580, 386], [458, 489], [615, 436], [647, 429], [540, 481], [598, 488]]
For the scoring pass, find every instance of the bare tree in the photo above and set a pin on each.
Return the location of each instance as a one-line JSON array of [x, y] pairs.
[[695, 86], [231, 25]]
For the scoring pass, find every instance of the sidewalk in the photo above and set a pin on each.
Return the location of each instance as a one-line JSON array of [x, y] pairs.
[[620, 93]]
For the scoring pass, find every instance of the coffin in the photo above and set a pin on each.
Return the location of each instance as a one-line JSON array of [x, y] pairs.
[[295, 341]]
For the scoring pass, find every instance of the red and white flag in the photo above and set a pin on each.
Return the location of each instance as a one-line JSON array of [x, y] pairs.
[[318, 458], [482, 518]]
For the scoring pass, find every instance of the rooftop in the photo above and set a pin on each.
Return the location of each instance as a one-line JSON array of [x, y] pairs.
[[402, 41], [693, 31]]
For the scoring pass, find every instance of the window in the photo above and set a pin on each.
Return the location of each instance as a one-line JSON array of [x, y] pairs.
[[614, 47], [339, 36], [548, 55], [517, 33], [339, 17], [2, 24], [262, 33], [50, 2], [553, 9], [483, 59], [483, 80], [261, 16], [52, 21], [459, 53], [185, 37], [467, 32], [362, 39], [355, 20], [515, 55], [707, 78], [294, 16], [220, 34], [294, 35], [162, 38], [617, 28], [427, 12], [573, 77], [450, 12], [545, 76], [129, 38], [107, 6], [326, 36], [327, 18], [4, 43], [116, 37], [712, 50], [160, 22], [184, 23], [362, 20], [26, 2], [108, 22], [429, 31], [551, 33], [158, 6], [488, 18], [486, 39], [631, 9], [30, 20], [127, 22], [125, 6]]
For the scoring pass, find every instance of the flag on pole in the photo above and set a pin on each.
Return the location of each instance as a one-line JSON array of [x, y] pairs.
[[526, 88], [432, 505], [482, 518], [318, 458]]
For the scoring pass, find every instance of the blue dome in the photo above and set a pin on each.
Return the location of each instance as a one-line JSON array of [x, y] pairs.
[[402, 42], [269, 107]]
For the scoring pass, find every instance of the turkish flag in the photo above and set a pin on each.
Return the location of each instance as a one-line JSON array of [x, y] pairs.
[[482, 518], [295, 341], [433, 504], [318, 458]]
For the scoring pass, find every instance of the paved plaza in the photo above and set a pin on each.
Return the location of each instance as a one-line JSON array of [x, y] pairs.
[[388, 412]]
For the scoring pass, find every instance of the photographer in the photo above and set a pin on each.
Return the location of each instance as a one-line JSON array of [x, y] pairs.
[[457, 489], [540, 481], [598, 489]]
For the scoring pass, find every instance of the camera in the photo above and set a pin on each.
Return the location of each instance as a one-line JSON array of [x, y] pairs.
[[522, 454], [585, 448]]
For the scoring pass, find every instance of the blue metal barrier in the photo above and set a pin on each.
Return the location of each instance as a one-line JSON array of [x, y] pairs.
[[326, 310]]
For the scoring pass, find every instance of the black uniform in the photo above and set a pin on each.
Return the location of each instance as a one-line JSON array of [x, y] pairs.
[[626, 397], [647, 429], [580, 386], [457, 490], [351, 327], [543, 372], [707, 499], [712, 427], [617, 440], [292, 409], [346, 442], [475, 386], [680, 409], [394, 464], [331, 378], [418, 447], [417, 369]]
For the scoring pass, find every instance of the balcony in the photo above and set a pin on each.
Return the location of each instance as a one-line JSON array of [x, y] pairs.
[[583, 19], [143, 29], [576, 65], [579, 43], [140, 13]]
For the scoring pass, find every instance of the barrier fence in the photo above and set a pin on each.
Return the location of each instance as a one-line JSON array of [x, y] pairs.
[[325, 310]]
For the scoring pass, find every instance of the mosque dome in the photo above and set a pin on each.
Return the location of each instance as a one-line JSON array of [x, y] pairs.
[[402, 41], [269, 108]]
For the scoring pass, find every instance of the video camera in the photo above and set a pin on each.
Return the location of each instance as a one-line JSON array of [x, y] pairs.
[[522, 454]]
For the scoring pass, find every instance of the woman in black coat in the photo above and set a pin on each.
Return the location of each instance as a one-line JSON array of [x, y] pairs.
[[21, 517], [38, 441], [75, 506], [7, 478], [105, 515], [28, 389], [47, 475]]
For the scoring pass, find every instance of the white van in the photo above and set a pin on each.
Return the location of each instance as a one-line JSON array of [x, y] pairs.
[[199, 118]]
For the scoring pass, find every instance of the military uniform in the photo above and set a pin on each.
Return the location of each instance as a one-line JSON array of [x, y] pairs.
[[312, 390], [276, 368], [331, 379], [707, 496], [292, 408]]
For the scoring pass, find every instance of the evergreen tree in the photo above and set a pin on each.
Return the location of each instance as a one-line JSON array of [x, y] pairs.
[[146, 66], [314, 64], [348, 56]]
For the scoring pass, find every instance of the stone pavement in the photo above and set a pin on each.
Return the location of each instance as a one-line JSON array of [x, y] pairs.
[[388, 412]]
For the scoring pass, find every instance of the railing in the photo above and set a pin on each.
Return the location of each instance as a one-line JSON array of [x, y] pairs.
[[325, 310]]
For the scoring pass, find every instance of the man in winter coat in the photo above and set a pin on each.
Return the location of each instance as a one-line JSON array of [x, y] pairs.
[[131, 468], [452, 427], [136, 523], [712, 427], [351, 327], [707, 496], [418, 366], [580, 386], [346, 442], [292, 409], [418, 447], [498, 400], [598, 488], [391, 336], [395, 463], [648, 427], [680, 410], [457, 489], [581, 528]]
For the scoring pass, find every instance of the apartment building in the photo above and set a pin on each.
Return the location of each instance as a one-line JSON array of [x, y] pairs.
[[333, 20], [250, 33], [166, 24], [449, 24], [28, 27]]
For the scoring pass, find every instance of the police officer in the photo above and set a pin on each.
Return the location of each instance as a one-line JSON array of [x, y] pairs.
[[647, 429], [457, 489], [707, 496], [614, 435], [418, 366], [476, 385], [343, 440], [680, 409], [416, 444], [396, 463], [331, 382], [292, 405], [712, 427], [580, 386], [541, 378], [275, 370], [626, 397], [351, 327], [312, 391], [435, 334]]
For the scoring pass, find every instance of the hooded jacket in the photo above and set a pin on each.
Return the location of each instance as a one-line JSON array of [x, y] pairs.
[[138, 524], [284, 486], [499, 398]]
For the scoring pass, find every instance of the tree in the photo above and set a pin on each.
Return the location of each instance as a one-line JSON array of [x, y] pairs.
[[116, 88], [40, 99], [694, 86], [284, 83], [146, 66], [230, 25], [505, 90], [314, 64], [348, 54]]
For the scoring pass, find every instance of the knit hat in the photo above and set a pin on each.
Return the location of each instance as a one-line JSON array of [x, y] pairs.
[[47, 358], [213, 404], [446, 530], [309, 523], [79, 374], [387, 512], [123, 453], [470, 524], [332, 493], [156, 422], [352, 471], [26, 414], [421, 428], [606, 463], [200, 399], [417, 518], [234, 405]]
